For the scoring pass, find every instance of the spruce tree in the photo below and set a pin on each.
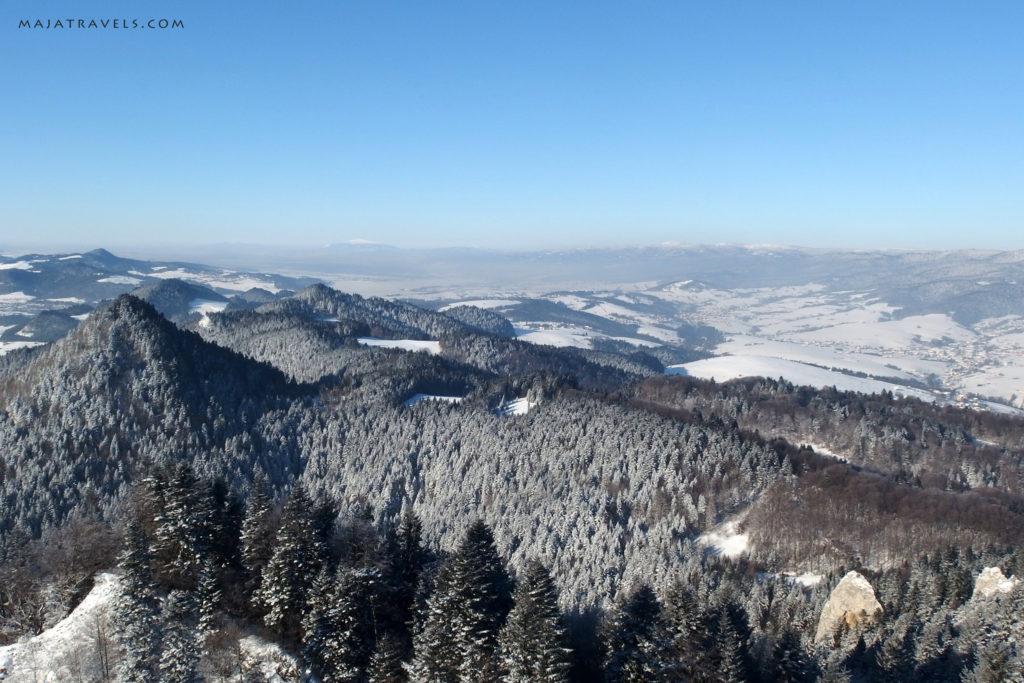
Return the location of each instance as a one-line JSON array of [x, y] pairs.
[[728, 651], [533, 642], [295, 563], [179, 659], [792, 664], [637, 641], [354, 604], [208, 597], [436, 651], [386, 662], [257, 537], [135, 610], [483, 592], [183, 534], [320, 628], [685, 623], [407, 563]]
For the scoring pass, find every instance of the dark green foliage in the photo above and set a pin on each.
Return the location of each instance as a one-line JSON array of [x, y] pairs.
[[181, 647], [637, 642], [792, 664], [297, 559], [533, 640], [136, 619], [386, 662], [257, 538]]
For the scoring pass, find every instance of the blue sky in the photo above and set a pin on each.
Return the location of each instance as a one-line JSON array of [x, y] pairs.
[[515, 124]]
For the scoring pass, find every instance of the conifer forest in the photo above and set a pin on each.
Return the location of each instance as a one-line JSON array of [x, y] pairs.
[[263, 496]]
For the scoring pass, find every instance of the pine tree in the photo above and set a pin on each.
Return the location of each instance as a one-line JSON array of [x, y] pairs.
[[386, 663], [257, 538], [533, 640], [136, 615], [320, 627], [436, 652], [477, 599], [728, 650], [295, 563], [208, 595], [792, 664], [183, 535], [407, 562], [637, 641], [179, 659], [685, 624], [355, 608]]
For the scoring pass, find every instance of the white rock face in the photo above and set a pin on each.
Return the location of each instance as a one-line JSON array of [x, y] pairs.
[[992, 581], [852, 603]]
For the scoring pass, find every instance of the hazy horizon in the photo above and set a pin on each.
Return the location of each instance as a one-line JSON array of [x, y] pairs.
[[516, 126]]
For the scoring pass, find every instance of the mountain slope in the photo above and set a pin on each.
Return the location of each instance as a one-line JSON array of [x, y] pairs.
[[125, 389]]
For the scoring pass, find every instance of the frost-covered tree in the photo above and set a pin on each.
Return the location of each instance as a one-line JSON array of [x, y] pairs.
[[436, 651], [181, 650], [637, 642], [257, 537], [136, 611], [296, 561], [183, 534], [483, 592], [533, 640], [386, 664]]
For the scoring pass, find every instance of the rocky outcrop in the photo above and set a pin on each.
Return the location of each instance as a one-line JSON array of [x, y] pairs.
[[992, 581], [852, 604]]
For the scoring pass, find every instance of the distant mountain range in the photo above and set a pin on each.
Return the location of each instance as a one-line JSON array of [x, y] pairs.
[[943, 325]]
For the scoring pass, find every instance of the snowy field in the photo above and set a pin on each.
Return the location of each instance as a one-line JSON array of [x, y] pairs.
[[404, 344], [724, 368]]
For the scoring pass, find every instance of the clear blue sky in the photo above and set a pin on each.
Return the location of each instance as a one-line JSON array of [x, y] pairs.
[[515, 123]]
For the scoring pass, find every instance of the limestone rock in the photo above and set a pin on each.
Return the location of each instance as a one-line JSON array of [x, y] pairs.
[[852, 603], [992, 581]]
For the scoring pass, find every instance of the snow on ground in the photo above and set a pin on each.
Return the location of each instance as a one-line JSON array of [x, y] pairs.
[[724, 368], [825, 451], [225, 280], [483, 303], [59, 653], [611, 311], [1005, 381], [239, 283], [7, 346], [807, 579], [574, 302], [121, 280], [16, 298], [69, 651], [519, 406], [205, 306], [17, 265], [659, 333], [563, 336], [726, 541], [405, 344], [431, 397], [68, 258], [869, 364], [890, 334]]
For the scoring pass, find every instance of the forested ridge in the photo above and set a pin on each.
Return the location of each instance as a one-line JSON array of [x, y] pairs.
[[277, 479]]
